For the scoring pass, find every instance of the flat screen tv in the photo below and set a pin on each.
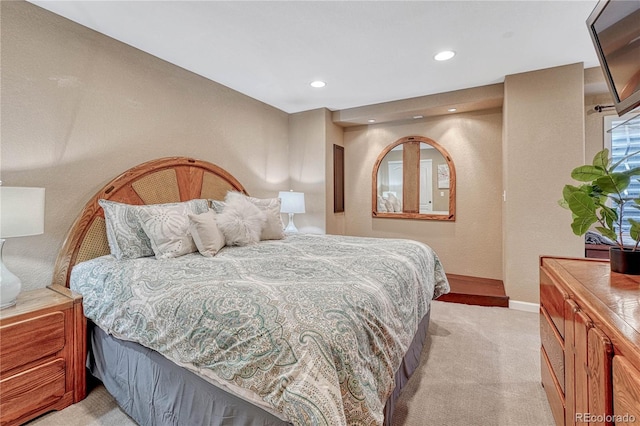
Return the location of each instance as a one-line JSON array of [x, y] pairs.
[[614, 26]]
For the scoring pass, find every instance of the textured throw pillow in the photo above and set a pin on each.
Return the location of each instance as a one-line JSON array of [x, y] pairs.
[[273, 228], [206, 234], [382, 207], [217, 205], [241, 221], [388, 205], [167, 226], [125, 235], [395, 203]]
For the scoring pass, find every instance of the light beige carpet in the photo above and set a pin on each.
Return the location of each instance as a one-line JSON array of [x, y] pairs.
[[480, 366]]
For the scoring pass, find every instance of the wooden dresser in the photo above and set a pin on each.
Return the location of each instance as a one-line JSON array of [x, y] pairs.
[[590, 335], [42, 352]]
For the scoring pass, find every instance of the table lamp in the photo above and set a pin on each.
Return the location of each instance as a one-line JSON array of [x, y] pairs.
[[21, 215], [291, 203]]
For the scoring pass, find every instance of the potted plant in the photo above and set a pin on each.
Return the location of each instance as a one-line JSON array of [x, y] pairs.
[[599, 201]]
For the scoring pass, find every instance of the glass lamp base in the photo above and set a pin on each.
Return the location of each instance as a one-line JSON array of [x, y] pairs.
[[8, 305], [291, 227], [9, 284]]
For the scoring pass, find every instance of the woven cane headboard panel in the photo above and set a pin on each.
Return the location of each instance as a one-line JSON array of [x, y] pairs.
[[165, 180]]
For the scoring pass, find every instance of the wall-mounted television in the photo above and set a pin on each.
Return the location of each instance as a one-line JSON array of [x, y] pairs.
[[614, 26]]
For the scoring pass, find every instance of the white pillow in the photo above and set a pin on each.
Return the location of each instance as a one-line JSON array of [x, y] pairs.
[[388, 205], [273, 229], [206, 234], [167, 226], [382, 207], [395, 203], [241, 221]]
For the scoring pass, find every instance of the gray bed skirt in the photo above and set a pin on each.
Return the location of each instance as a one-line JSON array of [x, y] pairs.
[[154, 391]]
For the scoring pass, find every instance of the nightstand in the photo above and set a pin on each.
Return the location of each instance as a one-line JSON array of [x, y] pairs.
[[42, 350]]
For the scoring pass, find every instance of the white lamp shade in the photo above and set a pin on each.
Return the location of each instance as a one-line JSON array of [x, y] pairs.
[[21, 211], [291, 202]]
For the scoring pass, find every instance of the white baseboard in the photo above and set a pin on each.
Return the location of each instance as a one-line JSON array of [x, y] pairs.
[[524, 306]]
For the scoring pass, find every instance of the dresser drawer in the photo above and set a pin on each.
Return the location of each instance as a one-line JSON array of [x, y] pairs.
[[552, 389], [36, 388], [552, 297], [30, 340], [553, 346], [626, 392]]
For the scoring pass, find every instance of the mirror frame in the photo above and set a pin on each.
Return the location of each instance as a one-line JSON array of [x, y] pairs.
[[406, 215]]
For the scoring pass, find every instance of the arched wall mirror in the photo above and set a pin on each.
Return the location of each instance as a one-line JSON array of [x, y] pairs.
[[414, 178]]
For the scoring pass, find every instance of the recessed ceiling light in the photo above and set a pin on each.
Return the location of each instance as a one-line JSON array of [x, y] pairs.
[[318, 84], [452, 110], [371, 120], [415, 117], [445, 55]]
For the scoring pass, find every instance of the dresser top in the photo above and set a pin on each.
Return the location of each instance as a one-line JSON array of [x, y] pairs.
[[612, 297], [35, 300]]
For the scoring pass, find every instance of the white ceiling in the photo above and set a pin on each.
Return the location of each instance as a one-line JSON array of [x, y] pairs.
[[368, 52]]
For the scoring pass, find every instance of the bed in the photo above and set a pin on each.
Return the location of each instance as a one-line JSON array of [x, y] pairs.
[[307, 329]]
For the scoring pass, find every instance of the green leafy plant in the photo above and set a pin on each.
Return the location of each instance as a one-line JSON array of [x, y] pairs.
[[601, 199]]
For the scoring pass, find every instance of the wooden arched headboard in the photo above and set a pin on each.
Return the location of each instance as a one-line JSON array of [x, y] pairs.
[[165, 180]]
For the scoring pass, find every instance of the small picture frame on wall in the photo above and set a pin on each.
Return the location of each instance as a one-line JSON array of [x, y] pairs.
[[338, 179], [443, 176]]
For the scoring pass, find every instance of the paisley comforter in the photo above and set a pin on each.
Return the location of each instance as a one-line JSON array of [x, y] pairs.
[[312, 328]]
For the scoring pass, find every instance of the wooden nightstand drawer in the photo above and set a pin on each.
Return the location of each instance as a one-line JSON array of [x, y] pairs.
[[37, 387], [31, 340], [42, 349]]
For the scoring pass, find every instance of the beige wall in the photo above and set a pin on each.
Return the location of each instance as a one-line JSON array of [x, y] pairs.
[[334, 135], [78, 108], [312, 135], [596, 93], [307, 162], [472, 244], [594, 124], [543, 141]]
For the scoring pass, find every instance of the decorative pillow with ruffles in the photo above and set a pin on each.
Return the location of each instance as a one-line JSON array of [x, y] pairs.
[[241, 221]]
